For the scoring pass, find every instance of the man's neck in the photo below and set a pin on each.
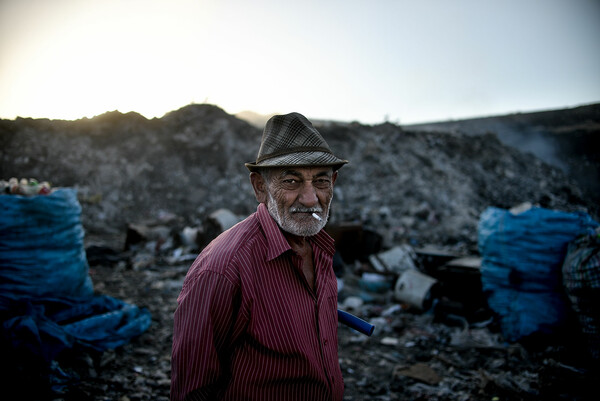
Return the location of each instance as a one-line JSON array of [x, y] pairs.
[[302, 247], [297, 242]]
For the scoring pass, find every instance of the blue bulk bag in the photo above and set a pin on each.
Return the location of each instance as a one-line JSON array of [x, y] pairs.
[[47, 301], [522, 256], [42, 252]]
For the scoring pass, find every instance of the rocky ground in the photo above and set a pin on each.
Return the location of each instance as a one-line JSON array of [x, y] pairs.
[[412, 355]]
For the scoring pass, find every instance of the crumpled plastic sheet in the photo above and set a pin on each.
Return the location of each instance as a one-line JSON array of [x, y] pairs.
[[48, 326], [35, 332]]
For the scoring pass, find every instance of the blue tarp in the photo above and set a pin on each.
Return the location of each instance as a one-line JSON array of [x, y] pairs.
[[48, 326], [522, 255]]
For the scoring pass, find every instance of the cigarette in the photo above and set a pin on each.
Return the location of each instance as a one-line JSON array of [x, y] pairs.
[[316, 216]]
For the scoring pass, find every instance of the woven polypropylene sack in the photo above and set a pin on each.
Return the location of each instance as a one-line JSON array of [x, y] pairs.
[[581, 278], [522, 255], [41, 246]]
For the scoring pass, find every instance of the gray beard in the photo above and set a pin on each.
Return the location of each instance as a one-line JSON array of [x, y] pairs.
[[294, 227]]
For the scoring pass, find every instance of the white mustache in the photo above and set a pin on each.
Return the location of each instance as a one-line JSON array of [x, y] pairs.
[[306, 210]]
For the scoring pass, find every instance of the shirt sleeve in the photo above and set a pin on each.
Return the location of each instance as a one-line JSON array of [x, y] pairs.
[[203, 322]]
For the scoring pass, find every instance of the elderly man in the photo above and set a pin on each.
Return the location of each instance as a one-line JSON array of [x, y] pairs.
[[257, 315]]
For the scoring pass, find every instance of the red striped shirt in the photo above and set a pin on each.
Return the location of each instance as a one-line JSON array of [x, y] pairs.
[[247, 324]]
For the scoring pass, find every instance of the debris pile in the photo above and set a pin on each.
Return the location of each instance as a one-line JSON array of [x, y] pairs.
[[435, 335], [404, 216], [27, 187], [413, 187]]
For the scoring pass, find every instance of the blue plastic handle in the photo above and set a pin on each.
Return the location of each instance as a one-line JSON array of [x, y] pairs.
[[355, 323]]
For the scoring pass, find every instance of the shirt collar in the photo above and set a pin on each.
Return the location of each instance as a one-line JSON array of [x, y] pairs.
[[277, 244]]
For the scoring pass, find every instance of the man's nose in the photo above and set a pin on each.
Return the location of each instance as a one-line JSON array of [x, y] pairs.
[[308, 195]]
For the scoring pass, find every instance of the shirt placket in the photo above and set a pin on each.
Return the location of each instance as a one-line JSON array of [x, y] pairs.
[[297, 262], [320, 276]]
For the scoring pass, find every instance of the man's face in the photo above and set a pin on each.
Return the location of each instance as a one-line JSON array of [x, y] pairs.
[[294, 194]]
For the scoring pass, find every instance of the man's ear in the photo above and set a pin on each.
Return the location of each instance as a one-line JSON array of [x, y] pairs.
[[260, 187], [334, 177]]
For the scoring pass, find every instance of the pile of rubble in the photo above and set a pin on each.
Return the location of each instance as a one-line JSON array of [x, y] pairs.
[[412, 187], [404, 216], [434, 338]]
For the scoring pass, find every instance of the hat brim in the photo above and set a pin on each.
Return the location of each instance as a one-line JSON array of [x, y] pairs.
[[300, 159]]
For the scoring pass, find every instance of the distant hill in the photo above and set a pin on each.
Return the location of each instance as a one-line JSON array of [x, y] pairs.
[[255, 119], [411, 184], [565, 138]]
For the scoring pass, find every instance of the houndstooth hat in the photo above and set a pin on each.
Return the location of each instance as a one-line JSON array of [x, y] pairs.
[[291, 140]]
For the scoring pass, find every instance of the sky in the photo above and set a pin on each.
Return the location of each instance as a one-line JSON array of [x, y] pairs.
[[347, 60]]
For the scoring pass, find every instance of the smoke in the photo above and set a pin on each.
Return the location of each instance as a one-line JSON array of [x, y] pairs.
[[535, 141]]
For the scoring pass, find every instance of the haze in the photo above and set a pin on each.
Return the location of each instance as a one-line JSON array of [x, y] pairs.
[[366, 61]]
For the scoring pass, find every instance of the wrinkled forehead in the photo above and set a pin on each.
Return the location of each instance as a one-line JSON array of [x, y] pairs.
[[303, 172]]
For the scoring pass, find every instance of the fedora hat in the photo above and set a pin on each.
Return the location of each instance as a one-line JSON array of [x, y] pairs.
[[291, 140]]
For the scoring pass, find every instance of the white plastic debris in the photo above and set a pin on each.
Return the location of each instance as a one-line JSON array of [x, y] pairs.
[[395, 260], [414, 288]]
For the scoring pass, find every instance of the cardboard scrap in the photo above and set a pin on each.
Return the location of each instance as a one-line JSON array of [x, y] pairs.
[[419, 371]]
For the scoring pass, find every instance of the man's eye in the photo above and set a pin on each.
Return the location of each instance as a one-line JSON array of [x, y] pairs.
[[290, 183], [322, 183]]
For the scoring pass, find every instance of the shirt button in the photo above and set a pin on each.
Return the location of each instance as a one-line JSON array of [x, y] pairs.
[[324, 342]]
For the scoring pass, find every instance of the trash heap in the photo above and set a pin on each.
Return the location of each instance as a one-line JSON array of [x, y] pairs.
[[523, 279], [25, 187], [438, 334], [48, 308], [537, 270]]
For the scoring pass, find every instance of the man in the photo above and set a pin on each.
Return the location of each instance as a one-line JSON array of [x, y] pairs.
[[257, 315]]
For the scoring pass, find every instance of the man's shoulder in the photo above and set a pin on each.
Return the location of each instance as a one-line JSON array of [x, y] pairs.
[[239, 239], [244, 231]]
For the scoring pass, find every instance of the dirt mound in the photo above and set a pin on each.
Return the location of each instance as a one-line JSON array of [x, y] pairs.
[[567, 139], [421, 187], [409, 186]]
